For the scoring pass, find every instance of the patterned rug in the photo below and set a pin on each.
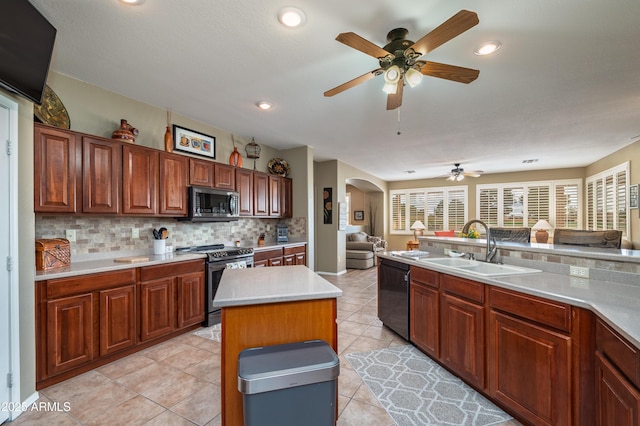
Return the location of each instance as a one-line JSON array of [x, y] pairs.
[[416, 390], [213, 333]]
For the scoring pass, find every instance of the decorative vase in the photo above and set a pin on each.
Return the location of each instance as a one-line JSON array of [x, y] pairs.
[[235, 159], [168, 140], [125, 132]]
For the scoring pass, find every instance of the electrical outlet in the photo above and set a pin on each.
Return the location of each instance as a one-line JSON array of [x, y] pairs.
[[135, 232], [577, 271], [70, 234]]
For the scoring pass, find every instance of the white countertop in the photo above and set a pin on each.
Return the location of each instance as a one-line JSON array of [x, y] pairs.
[[109, 264], [615, 303], [254, 286]]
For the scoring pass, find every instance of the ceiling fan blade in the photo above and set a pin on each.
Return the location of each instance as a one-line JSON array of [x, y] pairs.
[[450, 72], [394, 100], [451, 28], [365, 46], [351, 83]]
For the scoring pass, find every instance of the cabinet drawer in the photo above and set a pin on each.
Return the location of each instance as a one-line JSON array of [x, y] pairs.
[[624, 355], [294, 250], [425, 277], [465, 288], [543, 311], [149, 273], [87, 283], [266, 254]]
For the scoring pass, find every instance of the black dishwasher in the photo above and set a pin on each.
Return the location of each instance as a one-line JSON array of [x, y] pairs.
[[393, 295]]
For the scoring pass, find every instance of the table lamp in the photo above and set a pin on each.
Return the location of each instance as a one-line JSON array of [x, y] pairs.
[[541, 227], [418, 228]]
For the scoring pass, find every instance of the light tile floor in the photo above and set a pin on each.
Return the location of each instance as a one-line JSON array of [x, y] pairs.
[[178, 382]]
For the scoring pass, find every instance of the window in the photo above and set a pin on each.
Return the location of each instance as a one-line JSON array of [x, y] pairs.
[[607, 204], [522, 204], [438, 208]]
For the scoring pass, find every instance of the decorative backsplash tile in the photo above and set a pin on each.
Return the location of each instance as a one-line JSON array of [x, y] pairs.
[[98, 234]]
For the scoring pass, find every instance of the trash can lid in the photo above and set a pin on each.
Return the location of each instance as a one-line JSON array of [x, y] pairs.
[[284, 366]]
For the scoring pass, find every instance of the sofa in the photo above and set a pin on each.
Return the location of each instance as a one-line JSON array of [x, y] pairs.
[[361, 249]]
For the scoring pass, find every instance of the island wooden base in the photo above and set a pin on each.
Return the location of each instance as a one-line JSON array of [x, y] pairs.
[[264, 325]]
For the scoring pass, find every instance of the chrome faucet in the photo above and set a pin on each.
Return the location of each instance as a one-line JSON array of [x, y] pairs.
[[492, 246]]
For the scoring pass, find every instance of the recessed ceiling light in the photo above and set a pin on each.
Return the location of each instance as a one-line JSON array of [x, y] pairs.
[[291, 17], [133, 2], [264, 105], [487, 48]]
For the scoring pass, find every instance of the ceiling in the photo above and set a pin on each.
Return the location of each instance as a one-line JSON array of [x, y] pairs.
[[564, 89]]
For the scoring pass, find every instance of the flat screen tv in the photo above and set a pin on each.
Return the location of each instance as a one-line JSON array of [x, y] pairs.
[[26, 45]]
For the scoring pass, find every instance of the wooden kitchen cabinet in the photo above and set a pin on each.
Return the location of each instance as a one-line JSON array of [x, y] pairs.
[[200, 173], [617, 393], [424, 311], [57, 170], [101, 165], [244, 186], [224, 177], [190, 299], [529, 352], [139, 180], [174, 175], [275, 194], [462, 328], [260, 194], [117, 319]]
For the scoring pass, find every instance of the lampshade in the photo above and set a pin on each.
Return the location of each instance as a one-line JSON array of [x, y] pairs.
[[413, 77], [542, 224]]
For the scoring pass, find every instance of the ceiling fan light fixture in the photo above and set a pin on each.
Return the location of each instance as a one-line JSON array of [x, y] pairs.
[[291, 17], [413, 77], [487, 48]]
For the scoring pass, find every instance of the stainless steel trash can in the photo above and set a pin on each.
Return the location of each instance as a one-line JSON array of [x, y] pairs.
[[289, 384]]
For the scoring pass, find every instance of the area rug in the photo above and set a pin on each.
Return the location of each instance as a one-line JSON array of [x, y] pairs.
[[212, 333], [416, 390]]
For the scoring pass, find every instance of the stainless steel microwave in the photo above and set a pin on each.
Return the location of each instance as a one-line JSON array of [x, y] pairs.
[[212, 205]]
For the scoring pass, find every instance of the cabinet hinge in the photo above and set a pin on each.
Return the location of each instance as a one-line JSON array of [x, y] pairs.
[[8, 147], [9, 263], [9, 380]]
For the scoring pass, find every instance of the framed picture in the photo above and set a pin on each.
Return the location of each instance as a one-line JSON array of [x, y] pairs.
[[633, 196], [193, 142], [358, 215]]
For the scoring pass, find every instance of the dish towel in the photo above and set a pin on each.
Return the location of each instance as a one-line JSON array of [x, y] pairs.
[[241, 264]]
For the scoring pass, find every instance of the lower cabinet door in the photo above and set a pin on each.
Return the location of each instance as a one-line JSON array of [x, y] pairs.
[[462, 347], [117, 319], [617, 401], [69, 333], [529, 369], [190, 299], [157, 308], [425, 319]]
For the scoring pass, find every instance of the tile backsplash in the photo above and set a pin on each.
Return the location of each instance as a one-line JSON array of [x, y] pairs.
[[99, 234]]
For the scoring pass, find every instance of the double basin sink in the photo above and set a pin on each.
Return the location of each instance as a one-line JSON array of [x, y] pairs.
[[467, 265]]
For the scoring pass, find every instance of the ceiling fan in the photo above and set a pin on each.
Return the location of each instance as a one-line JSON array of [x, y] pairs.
[[458, 173], [399, 59]]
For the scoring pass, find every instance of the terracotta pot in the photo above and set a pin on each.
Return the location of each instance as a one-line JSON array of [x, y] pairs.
[[235, 159], [125, 132]]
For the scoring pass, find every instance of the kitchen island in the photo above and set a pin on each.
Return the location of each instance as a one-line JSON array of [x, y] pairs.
[[270, 306]]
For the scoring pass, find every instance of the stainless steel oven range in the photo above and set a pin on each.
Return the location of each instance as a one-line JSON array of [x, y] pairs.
[[219, 258]]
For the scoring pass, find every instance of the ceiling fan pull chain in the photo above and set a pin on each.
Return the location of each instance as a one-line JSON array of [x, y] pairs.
[[399, 132]]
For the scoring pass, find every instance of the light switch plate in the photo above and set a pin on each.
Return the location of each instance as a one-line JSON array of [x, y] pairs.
[[70, 234]]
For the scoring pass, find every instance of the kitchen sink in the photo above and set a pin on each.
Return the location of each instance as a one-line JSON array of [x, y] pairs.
[[479, 268]]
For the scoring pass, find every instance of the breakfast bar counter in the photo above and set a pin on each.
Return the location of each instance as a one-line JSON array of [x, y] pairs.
[[270, 306]]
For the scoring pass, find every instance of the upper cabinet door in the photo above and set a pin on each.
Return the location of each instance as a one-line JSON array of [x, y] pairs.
[[101, 175], [57, 169], [224, 177], [200, 173], [139, 177], [174, 174]]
